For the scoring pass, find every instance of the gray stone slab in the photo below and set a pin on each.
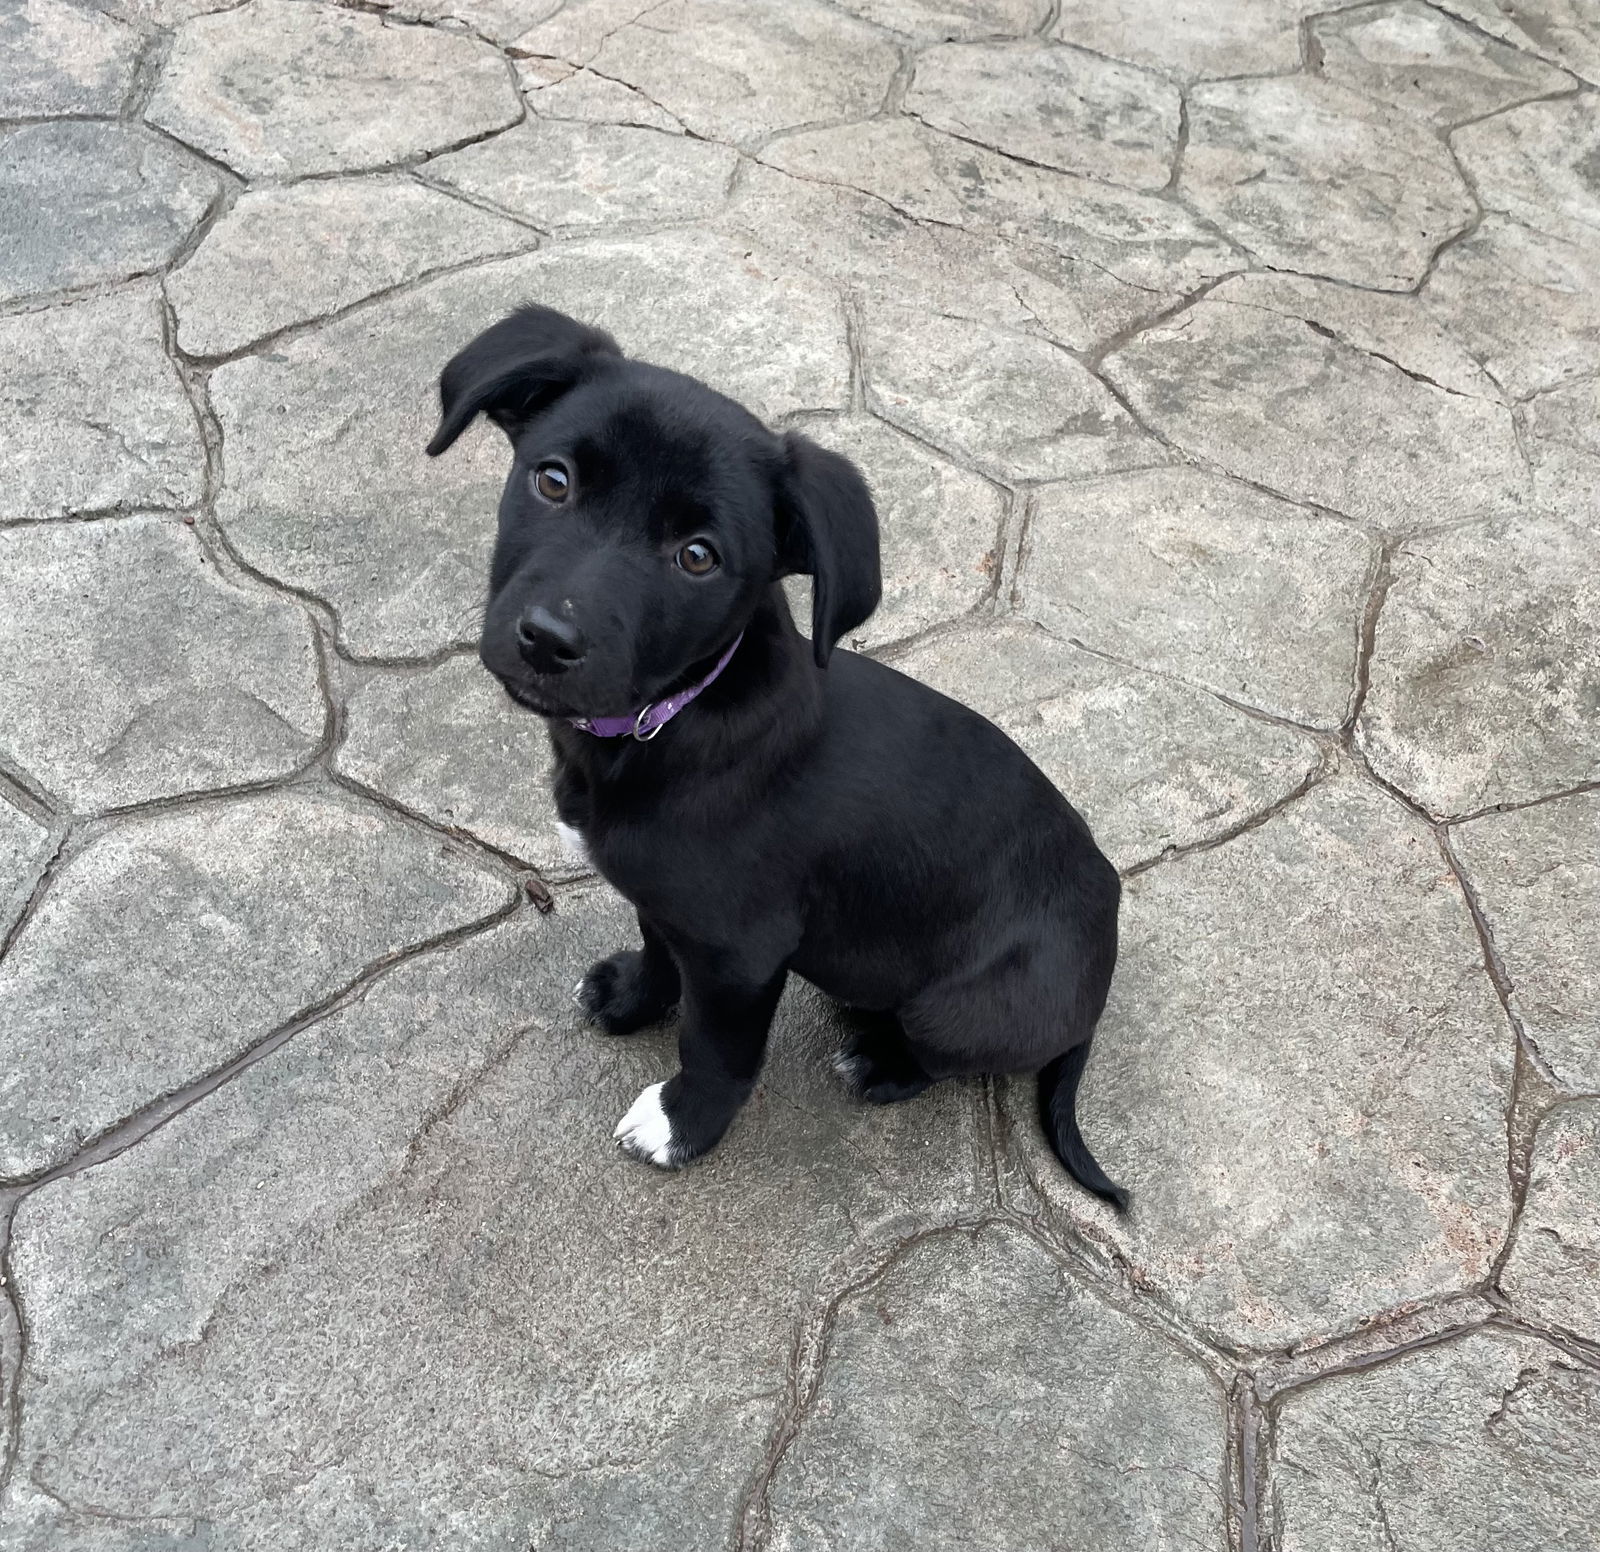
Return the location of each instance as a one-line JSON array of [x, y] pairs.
[[1566, 32], [556, 90], [1485, 678], [1196, 575], [84, 203], [22, 849], [169, 945], [863, 242], [940, 21], [1014, 405], [1525, 302], [130, 670], [939, 529], [1487, 1444], [731, 70], [1051, 104], [1553, 1275], [401, 1264], [1152, 764], [1537, 876], [92, 414], [1533, 164], [1081, 258], [568, 177], [1302, 1077], [449, 744], [326, 483], [56, 57], [1286, 402], [1521, 291], [1408, 55], [927, 1431], [1223, 37], [1311, 177], [278, 89], [1561, 431], [283, 256]]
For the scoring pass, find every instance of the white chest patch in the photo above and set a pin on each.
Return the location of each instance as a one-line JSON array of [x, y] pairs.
[[574, 849]]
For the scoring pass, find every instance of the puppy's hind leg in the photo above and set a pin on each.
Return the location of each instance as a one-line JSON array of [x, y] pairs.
[[877, 1063], [1058, 1092]]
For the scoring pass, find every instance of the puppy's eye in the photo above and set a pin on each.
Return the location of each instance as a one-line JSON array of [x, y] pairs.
[[552, 482], [698, 558]]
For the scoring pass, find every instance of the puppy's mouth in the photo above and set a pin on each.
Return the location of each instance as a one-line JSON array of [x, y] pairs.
[[531, 698], [535, 695]]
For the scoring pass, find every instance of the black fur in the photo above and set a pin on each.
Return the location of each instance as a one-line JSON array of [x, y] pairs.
[[813, 811]]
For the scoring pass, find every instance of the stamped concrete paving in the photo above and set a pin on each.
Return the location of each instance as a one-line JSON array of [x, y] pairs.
[[1227, 376]]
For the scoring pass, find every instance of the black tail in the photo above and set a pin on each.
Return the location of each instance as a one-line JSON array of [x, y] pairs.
[[1058, 1092]]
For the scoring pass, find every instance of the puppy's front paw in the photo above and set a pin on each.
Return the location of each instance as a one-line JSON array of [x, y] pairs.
[[619, 995], [646, 1131]]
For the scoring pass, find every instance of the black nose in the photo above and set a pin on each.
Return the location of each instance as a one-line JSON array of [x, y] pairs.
[[549, 645]]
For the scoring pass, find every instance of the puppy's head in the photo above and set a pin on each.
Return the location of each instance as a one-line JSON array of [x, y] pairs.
[[644, 518]]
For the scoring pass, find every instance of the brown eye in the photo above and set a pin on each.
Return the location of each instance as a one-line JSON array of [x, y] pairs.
[[551, 481], [698, 558]]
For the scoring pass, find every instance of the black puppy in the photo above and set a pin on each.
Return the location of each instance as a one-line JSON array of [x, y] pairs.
[[767, 805]]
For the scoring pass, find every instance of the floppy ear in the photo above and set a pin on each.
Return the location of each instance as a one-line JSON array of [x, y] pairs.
[[514, 369], [828, 529]]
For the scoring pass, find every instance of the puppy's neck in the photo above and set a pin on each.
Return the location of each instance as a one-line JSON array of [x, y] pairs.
[[763, 707]]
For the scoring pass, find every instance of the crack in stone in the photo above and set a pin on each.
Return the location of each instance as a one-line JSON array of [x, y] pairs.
[[1246, 1464], [1024, 161], [1525, 1377], [1516, 806], [22, 791], [615, 80], [1381, 580], [1581, 1349], [1413, 1327], [146, 75], [1180, 146], [520, 866], [1251, 822], [922, 222], [13, 1351], [1494, 965], [289, 332], [1377, 355], [67, 842], [1095, 358]]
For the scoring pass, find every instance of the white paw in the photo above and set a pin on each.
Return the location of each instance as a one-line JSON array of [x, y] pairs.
[[853, 1069], [645, 1131]]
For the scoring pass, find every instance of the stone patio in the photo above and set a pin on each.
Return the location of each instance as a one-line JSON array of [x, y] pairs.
[[1229, 378]]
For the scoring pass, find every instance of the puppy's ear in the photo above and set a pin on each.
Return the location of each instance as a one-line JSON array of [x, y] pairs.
[[514, 369], [828, 530]]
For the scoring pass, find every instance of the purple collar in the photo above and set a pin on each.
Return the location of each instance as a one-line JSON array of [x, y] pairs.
[[645, 724]]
